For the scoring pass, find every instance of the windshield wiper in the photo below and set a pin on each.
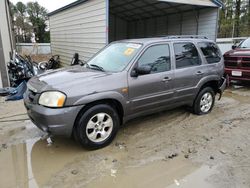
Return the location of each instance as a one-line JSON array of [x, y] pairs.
[[97, 67]]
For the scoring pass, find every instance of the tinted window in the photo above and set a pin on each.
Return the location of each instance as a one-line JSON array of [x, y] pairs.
[[210, 51], [157, 57], [186, 55]]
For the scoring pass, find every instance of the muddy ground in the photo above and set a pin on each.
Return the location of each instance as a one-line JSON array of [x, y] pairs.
[[168, 149]]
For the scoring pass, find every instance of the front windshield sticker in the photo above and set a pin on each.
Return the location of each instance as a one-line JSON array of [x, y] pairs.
[[129, 51], [131, 45]]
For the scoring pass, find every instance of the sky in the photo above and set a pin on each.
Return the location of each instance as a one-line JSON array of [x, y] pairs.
[[50, 5]]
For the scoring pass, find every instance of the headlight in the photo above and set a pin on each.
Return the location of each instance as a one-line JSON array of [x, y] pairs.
[[54, 99]]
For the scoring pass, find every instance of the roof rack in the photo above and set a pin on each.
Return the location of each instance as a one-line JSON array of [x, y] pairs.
[[185, 36]]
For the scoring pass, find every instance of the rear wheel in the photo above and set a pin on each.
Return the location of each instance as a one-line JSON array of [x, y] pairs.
[[204, 102], [97, 127]]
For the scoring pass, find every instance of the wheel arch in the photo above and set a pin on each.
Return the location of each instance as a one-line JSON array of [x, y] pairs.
[[114, 103], [213, 82]]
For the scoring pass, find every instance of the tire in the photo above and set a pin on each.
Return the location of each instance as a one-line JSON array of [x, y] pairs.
[[97, 127], [204, 102]]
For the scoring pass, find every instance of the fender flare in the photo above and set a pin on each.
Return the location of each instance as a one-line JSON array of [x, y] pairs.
[[108, 95], [206, 80]]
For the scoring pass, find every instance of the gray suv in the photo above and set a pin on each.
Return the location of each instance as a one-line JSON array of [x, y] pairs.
[[126, 79]]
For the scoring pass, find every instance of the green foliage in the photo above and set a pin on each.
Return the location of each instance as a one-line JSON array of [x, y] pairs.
[[47, 37], [28, 19], [234, 19]]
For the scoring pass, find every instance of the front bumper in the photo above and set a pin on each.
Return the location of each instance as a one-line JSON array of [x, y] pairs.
[[245, 74], [58, 121]]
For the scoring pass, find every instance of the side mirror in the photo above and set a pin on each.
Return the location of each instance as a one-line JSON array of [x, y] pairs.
[[234, 47], [141, 71]]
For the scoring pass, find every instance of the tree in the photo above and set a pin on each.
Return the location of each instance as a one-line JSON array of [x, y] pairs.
[[28, 19], [234, 19], [248, 18], [237, 17], [38, 16]]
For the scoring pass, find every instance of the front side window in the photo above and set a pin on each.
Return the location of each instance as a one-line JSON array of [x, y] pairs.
[[157, 57], [186, 55], [115, 57], [210, 51]]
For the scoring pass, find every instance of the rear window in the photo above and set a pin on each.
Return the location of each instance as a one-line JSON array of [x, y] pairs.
[[210, 51]]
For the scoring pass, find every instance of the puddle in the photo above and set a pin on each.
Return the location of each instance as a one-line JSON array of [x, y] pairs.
[[33, 163], [161, 174]]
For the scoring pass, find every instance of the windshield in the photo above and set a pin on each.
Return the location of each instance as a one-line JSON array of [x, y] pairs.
[[115, 57], [245, 44]]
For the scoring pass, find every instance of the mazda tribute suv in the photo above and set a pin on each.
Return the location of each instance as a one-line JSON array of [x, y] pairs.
[[126, 79]]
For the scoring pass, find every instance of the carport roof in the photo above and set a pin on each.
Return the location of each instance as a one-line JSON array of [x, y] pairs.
[[131, 10], [197, 2], [206, 3]]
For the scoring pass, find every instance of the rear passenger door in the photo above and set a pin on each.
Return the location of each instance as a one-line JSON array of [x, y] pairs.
[[188, 69]]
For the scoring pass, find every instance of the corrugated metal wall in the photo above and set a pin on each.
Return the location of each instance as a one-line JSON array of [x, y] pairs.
[[117, 28], [208, 23], [200, 22], [80, 29]]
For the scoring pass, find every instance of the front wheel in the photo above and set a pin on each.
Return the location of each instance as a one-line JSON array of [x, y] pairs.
[[204, 102], [97, 127]]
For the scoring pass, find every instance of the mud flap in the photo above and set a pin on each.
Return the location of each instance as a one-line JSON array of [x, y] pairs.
[[222, 87]]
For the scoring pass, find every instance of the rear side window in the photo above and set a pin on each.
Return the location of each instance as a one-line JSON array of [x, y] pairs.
[[186, 55], [210, 51], [157, 57]]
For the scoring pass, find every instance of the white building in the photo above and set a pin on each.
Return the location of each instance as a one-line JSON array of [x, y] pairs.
[[86, 26]]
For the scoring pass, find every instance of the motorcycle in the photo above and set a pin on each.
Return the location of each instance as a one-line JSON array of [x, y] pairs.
[[20, 69], [53, 63], [23, 68]]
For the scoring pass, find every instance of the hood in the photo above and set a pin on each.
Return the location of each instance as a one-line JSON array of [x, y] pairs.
[[77, 82], [238, 52], [66, 79]]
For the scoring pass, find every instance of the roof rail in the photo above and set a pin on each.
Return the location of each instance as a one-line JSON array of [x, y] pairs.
[[184, 36]]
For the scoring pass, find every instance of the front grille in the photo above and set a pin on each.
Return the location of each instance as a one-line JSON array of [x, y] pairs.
[[245, 62], [231, 64], [231, 59], [237, 62], [32, 95], [247, 59], [246, 65]]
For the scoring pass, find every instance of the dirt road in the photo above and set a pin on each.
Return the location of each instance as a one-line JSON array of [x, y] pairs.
[[170, 149]]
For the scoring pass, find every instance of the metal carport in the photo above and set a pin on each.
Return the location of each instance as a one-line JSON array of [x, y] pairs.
[[149, 18], [85, 26]]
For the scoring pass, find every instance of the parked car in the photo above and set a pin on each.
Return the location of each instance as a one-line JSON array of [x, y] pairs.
[[126, 79], [237, 61]]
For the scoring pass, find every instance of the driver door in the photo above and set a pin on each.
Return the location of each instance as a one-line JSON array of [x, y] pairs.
[[147, 92]]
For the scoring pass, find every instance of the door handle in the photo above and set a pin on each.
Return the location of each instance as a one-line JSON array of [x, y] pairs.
[[166, 79], [199, 73]]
